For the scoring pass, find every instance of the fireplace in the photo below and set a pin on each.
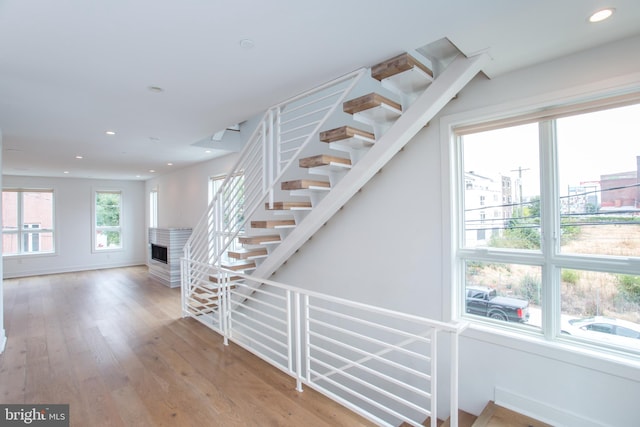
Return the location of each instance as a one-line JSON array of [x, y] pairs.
[[165, 250], [159, 253]]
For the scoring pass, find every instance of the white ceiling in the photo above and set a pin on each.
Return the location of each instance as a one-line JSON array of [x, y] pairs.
[[72, 69]]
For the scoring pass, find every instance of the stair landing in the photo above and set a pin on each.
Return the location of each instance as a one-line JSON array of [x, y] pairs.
[[498, 416]]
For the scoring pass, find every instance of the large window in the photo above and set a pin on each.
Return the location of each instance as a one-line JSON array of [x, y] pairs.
[[549, 224], [27, 221], [107, 220]]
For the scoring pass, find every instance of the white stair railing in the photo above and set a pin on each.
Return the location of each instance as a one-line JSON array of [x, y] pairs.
[[275, 145], [377, 362]]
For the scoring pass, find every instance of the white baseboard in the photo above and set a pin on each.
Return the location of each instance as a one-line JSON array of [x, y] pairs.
[[71, 269], [541, 411], [3, 340]]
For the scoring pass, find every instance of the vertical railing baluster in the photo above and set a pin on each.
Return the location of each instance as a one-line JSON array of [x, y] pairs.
[[455, 356], [434, 377], [307, 338], [298, 341]]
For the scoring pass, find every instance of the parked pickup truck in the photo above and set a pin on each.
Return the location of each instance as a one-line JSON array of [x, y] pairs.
[[484, 301]]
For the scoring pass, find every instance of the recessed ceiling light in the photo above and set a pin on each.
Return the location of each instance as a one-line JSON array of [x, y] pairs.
[[152, 171], [247, 43], [601, 15], [79, 157], [66, 172], [156, 89], [110, 132], [169, 164], [137, 176], [207, 151]]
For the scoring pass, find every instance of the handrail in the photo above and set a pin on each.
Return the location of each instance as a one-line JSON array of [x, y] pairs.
[[378, 362], [262, 163]]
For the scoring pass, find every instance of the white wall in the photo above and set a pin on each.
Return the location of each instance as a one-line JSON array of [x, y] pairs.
[[182, 195], [389, 247], [73, 200], [3, 335]]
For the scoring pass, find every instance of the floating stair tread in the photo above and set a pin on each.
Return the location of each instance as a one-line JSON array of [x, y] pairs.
[[204, 289], [273, 223], [304, 184], [367, 102], [199, 310], [465, 419], [286, 206], [239, 265], [323, 160], [209, 300], [396, 65], [345, 132], [259, 240], [247, 253], [220, 279], [497, 416]]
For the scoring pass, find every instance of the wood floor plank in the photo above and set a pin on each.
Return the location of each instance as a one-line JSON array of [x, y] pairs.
[[112, 344]]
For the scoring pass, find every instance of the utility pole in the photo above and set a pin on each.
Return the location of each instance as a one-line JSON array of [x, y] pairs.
[[520, 170]]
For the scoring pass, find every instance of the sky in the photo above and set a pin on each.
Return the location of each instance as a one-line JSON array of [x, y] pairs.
[[589, 145]]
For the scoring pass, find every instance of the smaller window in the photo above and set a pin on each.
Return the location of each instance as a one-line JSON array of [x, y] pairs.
[[107, 225], [153, 208], [27, 222]]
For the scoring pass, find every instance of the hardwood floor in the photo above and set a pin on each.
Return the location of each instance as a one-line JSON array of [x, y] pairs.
[[112, 345]]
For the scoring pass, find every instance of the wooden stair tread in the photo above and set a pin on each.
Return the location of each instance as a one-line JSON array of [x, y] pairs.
[[396, 65], [247, 253], [199, 310], [498, 416], [304, 184], [465, 419], [285, 206], [220, 279], [259, 240], [367, 102], [322, 160], [240, 265], [345, 132], [208, 300], [273, 223]]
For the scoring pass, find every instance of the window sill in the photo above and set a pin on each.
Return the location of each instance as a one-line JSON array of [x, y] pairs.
[[28, 255], [622, 364]]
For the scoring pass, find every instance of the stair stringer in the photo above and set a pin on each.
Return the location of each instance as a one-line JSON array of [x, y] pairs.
[[448, 84]]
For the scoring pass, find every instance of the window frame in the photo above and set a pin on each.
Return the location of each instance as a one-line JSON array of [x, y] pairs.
[[546, 342], [153, 208], [95, 228], [23, 232]]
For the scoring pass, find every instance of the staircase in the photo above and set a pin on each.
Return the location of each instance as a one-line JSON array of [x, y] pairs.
[[492, 415], [383, 127], [306, 159]]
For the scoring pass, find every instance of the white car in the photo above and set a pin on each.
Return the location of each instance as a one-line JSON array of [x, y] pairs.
[[604, 328]]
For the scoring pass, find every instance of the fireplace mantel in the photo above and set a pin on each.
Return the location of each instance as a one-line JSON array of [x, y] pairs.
[[173, 239]]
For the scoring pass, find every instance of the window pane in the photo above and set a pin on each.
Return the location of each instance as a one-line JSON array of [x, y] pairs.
[[599, 182], [25, 214], [37, 209], [107, 209], [107, 239], [9, 211], [502, 188], [507, 292], [601, 307], [107, 226], [10, 244]]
